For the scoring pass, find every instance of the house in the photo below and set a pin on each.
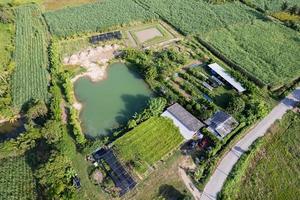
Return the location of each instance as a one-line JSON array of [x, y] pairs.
[[221, 124], [218, 70], [188, 124]]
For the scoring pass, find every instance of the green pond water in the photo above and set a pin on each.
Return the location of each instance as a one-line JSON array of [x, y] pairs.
[[110, 103]]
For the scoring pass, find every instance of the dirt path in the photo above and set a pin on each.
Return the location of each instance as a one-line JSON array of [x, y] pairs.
[[188, 164]]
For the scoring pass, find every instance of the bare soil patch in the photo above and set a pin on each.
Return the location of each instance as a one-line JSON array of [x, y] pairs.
[[94, 60], [148, 34]]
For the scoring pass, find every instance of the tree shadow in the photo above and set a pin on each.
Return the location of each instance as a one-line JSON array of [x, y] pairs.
[[133, 104], [169, 192]]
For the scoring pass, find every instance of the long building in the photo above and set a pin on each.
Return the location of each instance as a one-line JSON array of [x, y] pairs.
[[217, 69], [188, 124]]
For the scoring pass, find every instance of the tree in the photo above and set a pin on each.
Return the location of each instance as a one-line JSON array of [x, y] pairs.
[[37, 109], [156, 106], [236, 105], [52, 131], [284, 6]]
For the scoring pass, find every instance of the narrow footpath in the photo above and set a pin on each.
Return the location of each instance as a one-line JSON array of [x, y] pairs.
[[215, 184]]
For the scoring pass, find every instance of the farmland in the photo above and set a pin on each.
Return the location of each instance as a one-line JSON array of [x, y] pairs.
[[148, 143], [16, 179], [272, 170], [97, 17], [191, 16], [274, 5], [267, 50], [30, 77]]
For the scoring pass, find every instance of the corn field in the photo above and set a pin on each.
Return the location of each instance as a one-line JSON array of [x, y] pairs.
[[16, 180], [95, 17], [29, 80]]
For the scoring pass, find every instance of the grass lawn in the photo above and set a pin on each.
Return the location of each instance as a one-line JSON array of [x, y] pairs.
[[148, 143], [16, 179], [272, 170], [163, 181]]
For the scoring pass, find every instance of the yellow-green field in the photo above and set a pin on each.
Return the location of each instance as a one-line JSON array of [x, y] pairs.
[[148, 143]]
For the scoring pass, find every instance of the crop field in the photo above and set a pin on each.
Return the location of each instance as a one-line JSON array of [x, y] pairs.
[[97, 16], [267, 50], [59, 4], [30, 77], [16, 180], [272, 170], [148, 143], [274, 5], [191, 16]]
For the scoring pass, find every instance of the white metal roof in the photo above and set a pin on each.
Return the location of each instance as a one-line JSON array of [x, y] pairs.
[[221, 72], [185, 132]]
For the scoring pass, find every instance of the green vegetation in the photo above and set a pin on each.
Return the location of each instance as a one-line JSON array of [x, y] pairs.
[[270, 171], [97, 17], [192, 16], [148, 143], [163, 182], [30, 79], [16, 179], [7, 31], [237, 43], [274, 5]]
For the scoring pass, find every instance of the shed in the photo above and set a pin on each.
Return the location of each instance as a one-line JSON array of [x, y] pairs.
[[185, 121], [229, 79], [221, 124]]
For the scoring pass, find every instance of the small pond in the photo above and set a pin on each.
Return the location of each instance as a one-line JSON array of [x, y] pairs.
[[110, 103], [10, 130]]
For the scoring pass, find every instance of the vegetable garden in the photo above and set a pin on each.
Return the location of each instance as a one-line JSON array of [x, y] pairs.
[[16, 179], [148, 143], [29, 80]]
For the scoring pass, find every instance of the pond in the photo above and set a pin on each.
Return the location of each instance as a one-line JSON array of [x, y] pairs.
[[110, 103], [10, 130]]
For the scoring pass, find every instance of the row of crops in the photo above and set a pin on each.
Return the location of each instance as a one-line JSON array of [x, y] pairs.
[[197, 16], [94, 17], [148, 143], [274, 5], [29, 80], [268, 50], [16, 179]]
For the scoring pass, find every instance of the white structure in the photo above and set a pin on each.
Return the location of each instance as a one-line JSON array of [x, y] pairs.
[[222, 73], [188, 125]]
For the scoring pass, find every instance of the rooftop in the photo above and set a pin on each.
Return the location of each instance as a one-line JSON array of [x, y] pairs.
[[186, 118], [222, 123], [221, 72]]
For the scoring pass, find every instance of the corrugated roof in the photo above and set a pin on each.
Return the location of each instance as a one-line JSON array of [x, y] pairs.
[[221, 72], [222, 123], [186, 118]]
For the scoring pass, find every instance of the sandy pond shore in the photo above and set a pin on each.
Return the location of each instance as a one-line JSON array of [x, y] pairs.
[[95, 61]]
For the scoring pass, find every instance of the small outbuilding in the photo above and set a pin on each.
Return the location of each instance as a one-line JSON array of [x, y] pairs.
[[219, 71], [188, 124], [221, 124]]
